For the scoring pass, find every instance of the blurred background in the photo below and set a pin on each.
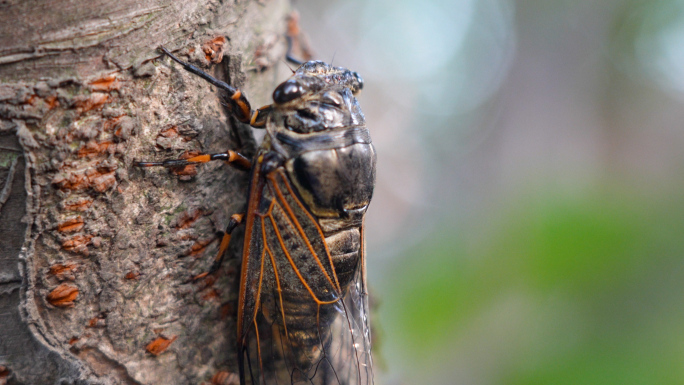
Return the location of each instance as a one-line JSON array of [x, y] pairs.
[[528, 220]]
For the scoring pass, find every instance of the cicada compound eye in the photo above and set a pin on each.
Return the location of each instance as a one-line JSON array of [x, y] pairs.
[[287, 91], [358, 79]]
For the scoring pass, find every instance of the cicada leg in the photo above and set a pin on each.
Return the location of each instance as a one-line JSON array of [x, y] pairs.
[[260, 116], [295, 36], [232, 158], [235, 220], [244, 111]]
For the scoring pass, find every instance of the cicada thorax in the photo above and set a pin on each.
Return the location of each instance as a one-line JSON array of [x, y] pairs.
[[311, 186]]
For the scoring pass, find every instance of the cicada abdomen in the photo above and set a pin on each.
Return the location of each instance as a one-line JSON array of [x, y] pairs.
[[303, 315], [303, 307]]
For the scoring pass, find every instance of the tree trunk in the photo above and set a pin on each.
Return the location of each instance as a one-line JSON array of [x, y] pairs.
[[97, 257]]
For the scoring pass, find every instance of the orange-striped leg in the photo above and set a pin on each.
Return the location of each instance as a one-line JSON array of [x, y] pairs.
[[235, 220], [260, 116], [231, 157], [243, 112]]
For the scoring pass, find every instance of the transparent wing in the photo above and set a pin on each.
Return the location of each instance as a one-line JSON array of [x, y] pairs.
[[301, 323]]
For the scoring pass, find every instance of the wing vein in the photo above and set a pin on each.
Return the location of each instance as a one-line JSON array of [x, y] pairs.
[[294, 267], [294, 220]]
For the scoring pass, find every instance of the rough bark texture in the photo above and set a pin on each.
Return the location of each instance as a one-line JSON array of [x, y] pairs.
[[97, 257]]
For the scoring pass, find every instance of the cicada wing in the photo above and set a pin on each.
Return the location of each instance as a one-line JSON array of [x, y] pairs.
[[349, 355], [251, 282], [305, 327]]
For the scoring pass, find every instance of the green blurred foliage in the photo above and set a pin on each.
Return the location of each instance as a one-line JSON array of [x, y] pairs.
[[601, 272]]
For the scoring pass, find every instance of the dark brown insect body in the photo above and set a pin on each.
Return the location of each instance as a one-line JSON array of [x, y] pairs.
[[303, 313], [303, 257]]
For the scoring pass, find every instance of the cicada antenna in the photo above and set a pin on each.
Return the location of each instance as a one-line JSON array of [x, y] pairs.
[[288, 66]]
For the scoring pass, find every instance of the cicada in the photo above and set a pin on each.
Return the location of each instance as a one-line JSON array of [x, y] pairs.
[[303, 305]]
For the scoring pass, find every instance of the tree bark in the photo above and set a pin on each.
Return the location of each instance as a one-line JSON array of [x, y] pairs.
[[97, 257]]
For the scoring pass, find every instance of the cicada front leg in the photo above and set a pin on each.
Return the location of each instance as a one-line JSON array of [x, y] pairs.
[[232, 158], [235, 221], [243, 112]]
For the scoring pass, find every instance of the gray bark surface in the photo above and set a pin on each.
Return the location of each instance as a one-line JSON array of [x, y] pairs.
[[97, 257]]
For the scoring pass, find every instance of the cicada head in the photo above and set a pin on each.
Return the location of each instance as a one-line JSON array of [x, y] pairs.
[[318, 97]]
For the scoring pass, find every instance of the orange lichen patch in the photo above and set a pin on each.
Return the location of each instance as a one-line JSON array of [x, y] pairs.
[[71, 181], [114, 124], [97, 322], [189, 170], [94, 148], [206, 282], [103, 182], [132, 275], [73, 340], [76, 243], [110, 123], [170, 132], [225, 378], [159, 345], [200, 246], [64, 271], [71, 225], [63, 295], [209, 294], [187, 218], [214, 49], [51, 101], [106, 84], [80, 204], [91, 102], [97, 178]]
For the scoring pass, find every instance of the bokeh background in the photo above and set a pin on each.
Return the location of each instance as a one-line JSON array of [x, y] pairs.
[[528, 221]]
